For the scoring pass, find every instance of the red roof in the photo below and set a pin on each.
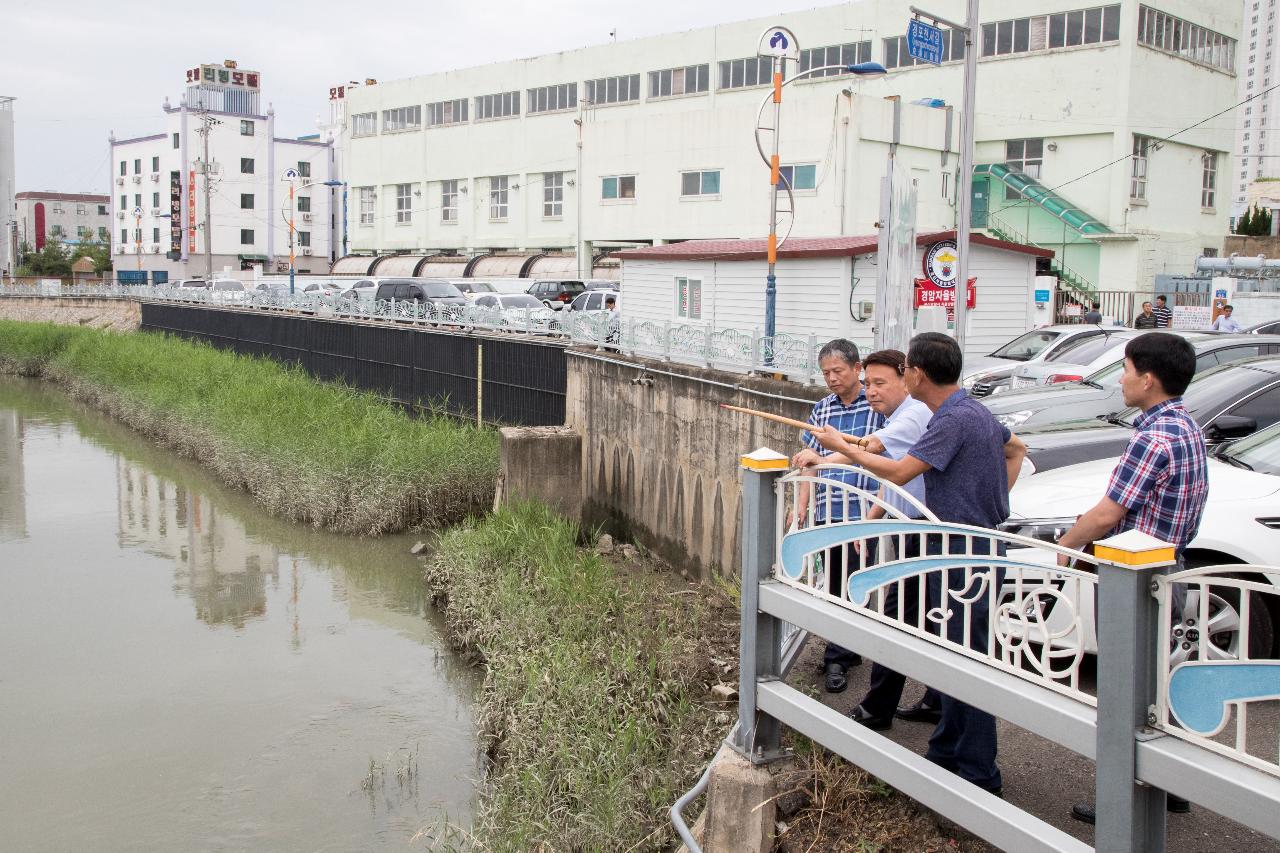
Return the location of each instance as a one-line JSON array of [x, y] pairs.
[[804, 247], [43, 196]]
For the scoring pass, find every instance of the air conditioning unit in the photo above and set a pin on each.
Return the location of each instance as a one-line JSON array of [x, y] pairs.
[[306, 217], [155, 248], [137, 179], [157, 211], [120, 181], [306, 250], [119, 214], [155, 177]]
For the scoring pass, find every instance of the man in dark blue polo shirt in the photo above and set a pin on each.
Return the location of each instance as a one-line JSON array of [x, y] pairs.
[[969, 462]]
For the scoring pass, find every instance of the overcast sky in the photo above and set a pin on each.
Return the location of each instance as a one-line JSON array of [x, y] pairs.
[[81, 70]]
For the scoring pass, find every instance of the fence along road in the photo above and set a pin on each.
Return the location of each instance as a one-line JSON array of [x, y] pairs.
[[1171, 711]]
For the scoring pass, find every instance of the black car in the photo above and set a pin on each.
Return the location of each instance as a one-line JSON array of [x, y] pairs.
[[556, 294], [434, 291], [1228, 402], [1099, 393]]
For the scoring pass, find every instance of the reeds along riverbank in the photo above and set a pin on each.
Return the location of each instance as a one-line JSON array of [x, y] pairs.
[[308, 451], [595, 708]]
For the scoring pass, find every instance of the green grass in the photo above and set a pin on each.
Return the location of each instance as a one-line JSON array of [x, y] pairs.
[[595, 709], [309, 451]]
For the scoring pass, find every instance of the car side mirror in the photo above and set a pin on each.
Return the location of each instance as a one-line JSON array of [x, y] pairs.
[[1231, 427]]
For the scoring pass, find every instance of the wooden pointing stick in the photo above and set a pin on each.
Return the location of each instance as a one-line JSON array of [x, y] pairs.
[[804, 425]]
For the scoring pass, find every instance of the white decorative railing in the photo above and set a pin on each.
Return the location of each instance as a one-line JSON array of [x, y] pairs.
[[1217, 661]]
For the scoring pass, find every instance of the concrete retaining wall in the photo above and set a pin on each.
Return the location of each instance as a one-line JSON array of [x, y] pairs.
[[122, 315], [660, 457]]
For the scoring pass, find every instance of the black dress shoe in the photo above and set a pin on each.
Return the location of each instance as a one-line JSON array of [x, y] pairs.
[[918, 713], [1086, 813], [836, 678], [859, 715]]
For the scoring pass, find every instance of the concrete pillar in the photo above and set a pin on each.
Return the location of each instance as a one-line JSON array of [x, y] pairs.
[[740, 815], [544, 464]]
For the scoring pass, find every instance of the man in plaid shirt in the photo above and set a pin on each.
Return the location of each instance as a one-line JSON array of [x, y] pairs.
[[845, 408], [1161, 483]]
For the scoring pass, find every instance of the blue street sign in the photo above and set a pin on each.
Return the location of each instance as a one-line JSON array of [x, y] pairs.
[[924, 42]]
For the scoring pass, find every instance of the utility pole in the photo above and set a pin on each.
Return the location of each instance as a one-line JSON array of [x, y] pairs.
[[206, 125], [964, 186]]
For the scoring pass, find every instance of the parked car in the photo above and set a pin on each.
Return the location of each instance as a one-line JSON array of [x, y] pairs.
[[434, 291], [1079, 358], [1229, 402], [472, 287], [1098, 394], [228, 290], [362, 290], [191, 283], [272, 287], [516, 311], [319, 288], [1271, 327], [1241, 524], [596, 300], [993, 374], [604, 284], [556, 294]]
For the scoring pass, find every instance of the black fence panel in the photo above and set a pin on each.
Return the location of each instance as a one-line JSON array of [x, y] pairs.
[[523, 381]]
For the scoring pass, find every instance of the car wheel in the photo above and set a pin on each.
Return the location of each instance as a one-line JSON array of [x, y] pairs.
[[1225, 636]]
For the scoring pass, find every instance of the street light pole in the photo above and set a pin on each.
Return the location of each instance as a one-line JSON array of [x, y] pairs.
[[291, 257]]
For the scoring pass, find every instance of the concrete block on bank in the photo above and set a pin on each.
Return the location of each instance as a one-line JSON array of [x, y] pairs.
[[740, 813], [544, 464]]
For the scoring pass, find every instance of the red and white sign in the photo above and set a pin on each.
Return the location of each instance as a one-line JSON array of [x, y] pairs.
[[191, 211], [928, 293]]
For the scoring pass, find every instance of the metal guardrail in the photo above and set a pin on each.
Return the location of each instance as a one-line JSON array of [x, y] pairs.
[[1001, 627]]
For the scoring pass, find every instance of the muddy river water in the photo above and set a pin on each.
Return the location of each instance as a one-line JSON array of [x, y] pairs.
[[180, 672]]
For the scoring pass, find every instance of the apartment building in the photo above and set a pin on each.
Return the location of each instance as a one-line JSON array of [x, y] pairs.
[[70, 218]]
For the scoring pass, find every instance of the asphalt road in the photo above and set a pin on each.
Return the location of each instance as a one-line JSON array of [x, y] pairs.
[[1044, 778]]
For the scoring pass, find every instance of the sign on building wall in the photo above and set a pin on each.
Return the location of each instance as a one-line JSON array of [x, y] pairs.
[[191, 211], [938, 287], [1192, 317], [175, 211], [223, 76]]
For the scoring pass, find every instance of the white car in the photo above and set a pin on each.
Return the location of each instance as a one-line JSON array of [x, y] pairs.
[[514, 311], [1080, 357], [363, 290], [472, 288], [1241, 524], [993, 374], [229, 291], [318, 288]]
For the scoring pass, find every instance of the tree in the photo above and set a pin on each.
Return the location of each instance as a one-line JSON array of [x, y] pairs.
[[1262, 222], [96, 251], [53, 260], [1244, 222]]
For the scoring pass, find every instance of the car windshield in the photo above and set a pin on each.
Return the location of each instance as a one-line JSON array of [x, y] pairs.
[[1260, 451], [1028, 346], [193, 284], [480, 287], [1212, 390], [521, 300], [1086, 349], [1107, 377], [438, 289], [228, 285]]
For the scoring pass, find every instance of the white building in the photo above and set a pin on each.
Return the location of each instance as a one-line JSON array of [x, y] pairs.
[[1255, 153], [159, 198], [651, 140], [71, 218], [8, 213]]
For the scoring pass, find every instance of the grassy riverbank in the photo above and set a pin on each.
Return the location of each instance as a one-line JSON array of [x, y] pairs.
[[595, 709], [308, 451]]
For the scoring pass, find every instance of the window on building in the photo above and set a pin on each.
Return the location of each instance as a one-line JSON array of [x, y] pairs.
[[155, 235], [404, 204], [1141, 150], [137, 166], [552, 195], [366, 199], [81, 210], [246, 236], [1165, 32], [246, 127], [155, 164], [304, 169], [946, 185], [82, 232], [137, 199], [1208, 179], [124, 235], [57, 207], [246, 201], [364, 124], [499, 105], [688, 298], [679, 81], [613, 90], [447, 112], [304, 203], [177, 141], [1096, 25], [498, 198], [402, 118], [124, 202], [836, 54], [246, 165], [705, 182], [103, 234], [800, 177], [137, 235], [123, 168], [449, 201], [155, 200], [1025, 156], [102, 210], [549, 99], [618, 187], [304, 238], [741, 73], [1209, 252], [56, 232]]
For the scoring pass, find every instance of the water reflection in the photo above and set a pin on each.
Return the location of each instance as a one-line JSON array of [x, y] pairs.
[[13, 490], [127, 724]]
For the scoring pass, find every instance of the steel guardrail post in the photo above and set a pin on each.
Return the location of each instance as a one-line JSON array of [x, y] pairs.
[[758, 736], [1130, 815]]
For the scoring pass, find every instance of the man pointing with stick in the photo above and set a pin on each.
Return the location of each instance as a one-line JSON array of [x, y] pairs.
[[845, 410]]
